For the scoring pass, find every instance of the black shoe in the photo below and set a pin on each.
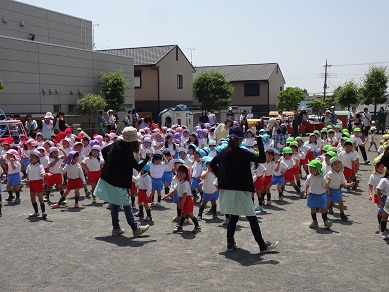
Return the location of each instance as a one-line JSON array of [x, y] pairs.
[[231, 246], [331, 210], [17, 201], [10, 198], [343, 217]]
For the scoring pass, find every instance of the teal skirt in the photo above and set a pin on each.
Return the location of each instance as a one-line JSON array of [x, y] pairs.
[[235, 202], [111, 194]]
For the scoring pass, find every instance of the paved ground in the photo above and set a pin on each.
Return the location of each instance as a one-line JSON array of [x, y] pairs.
[[73, 251]]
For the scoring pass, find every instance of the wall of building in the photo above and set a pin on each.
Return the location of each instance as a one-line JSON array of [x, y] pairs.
[[47, 26], [276, 82], [38, 76], [149, 84]]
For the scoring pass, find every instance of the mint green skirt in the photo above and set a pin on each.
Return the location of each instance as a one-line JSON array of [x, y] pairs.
[[235, 202], [111, 194]]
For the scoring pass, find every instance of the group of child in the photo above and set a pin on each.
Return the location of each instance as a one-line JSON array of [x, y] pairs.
[[180, 167]]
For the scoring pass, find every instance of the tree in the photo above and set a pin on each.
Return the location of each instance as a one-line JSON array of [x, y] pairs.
[[329, 101], [89, 105], [2, 85], [113, 88], [375, 85], [212, 90], [347, 94], [290, 98], [317, 106]]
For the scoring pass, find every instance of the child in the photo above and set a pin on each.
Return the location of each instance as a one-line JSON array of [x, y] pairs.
[[360, 144], [336, 180], [35, 174], [210, 192], [313, 147], [168, 173], [144, 194], [173, 193], [146, 146], [76, 179], [315, 187], [186, 203], [212, 146], [92, 166], [373, 138], [297, 156], [290, 171], [348, 158], [55, 179], [157, 169], [250, 139], [375, 178], [278, 176], [196, 174], [303, 149], [382, 195], [14, 168]]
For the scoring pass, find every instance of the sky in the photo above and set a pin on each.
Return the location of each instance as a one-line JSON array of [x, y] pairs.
[[298, 35]]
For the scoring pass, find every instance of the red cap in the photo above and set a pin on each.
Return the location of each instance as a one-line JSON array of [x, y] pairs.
[[68, 130]]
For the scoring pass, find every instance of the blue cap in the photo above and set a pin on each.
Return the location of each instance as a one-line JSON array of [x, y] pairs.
[[236, 132], [212, 143], [202, 152], [219, 148], [206, 159], [146, 167]]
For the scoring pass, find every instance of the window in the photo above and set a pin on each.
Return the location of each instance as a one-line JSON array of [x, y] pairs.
[[137, 79], [280, 88], [251, 89], [180, 81], [57, 108], [71, 108], [176, 53]]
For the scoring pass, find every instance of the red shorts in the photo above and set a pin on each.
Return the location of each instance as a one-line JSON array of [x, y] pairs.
[[54, 179], [46, 171], [304, 161], [36, 186], [93, 176], [74, 184], [310, 155], [143, 198], [296, 170], [260, 183], [289, 174], [376, 199], [188, 205], [348, 172], [133, 189]]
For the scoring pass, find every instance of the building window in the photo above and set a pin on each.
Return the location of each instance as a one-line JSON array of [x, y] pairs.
[[57, 108], [72, 108], [137, 79], [180, 82], [176, 53], [280, 88], [251, 89]]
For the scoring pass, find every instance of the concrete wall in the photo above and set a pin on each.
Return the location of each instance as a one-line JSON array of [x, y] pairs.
[[28, 68], [47, 26], [258, 103], [276, 81]]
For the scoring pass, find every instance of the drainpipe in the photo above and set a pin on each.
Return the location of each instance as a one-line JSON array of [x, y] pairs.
[[159, 97]]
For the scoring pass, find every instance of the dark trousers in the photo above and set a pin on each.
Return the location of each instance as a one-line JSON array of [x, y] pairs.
[[254, 225], [296, 129], [363, 151], [129, 216]]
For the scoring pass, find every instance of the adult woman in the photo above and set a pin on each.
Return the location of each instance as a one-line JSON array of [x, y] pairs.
[[116, 178], [135, 117], [60, 123], [203, 118], [351, 117], [382, 120], [101, 122], [222, 130], [230, 113], [111, 120], [48, 126], [31, 126], [232, 167]]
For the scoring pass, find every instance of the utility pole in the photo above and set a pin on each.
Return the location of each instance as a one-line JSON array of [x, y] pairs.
[[325, 79], [191, 51]]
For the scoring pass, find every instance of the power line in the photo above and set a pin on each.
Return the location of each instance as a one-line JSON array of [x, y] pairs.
[[361, 64]]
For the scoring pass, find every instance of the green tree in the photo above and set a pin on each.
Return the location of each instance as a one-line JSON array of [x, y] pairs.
[[317, 106], [113, 88], [375, 85], [2, 85], [89, 105], [212, 90], [347, 94], [290, 98]]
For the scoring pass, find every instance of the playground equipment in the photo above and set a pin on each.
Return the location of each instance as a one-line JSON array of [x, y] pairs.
[[180, 115], [13, 128]]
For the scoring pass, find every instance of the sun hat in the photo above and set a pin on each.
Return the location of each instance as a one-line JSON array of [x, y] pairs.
[[298, 138], [32, 142], [182, 150], [178, 160], [146, 140], [212, 143], [236, 132], [41, 148], [36, 153], [316, 164], [53, 149], [49, 115], [287, 150], [294, 143], [14, 153], [229, 118], [327, 147], [332, 154], [96, 147], [70, 155], [289, 140], [329, 127], [130, 134], [334, 159], [147, 166], [357, 129], [348, 141]]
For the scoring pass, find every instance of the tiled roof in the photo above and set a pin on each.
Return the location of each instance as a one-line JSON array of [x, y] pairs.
[[143, 55], [241, 72]]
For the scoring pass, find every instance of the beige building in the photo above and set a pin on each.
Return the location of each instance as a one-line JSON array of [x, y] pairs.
[[256, 85], [47, 62], [162, 77]]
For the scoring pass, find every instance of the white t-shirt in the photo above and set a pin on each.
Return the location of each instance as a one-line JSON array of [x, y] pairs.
[[157, 170], [316, 184], [212, 119], [366, 118], [143, 151], [144, 183], [209, 183], [325, 168], [260, 169], [270, 167], [17, 167], [86, 150], [281, 169], [57, 166], [337, 179], [35, 171], [289, 162], [44, 160], [374, 180], [356, 140], [314, 147], [93, 163], [183, 187], [74, 171], [380, 150], [383, 185], [196, 169], [347, 158]]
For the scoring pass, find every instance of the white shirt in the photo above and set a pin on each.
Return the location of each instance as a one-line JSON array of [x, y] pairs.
[[17, 167], [316, 184], [356, 140], [144, 183], [174, 183], [196, 169], [289, 163], [281, 169], [86, 150], [337, 179], [213, 153], [169, 165], [74, 171], [383, 185], [44, 160], [366, 118], [143, 151], [93, 164], [57, 167], [347, 158], [326, 168], [157, 170], [35, 171], [260, 169], [212, 119], [374, 180], [209, 183], [183, 187], [380, 150], [314, 147]]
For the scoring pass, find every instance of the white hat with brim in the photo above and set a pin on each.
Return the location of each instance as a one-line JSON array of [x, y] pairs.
[[130, 134], [49, 115]]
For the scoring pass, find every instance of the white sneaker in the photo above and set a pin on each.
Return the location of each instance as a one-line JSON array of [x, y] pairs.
[[314, 224], [384, 235], [33, 215], [141, 230], [328, 224]]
